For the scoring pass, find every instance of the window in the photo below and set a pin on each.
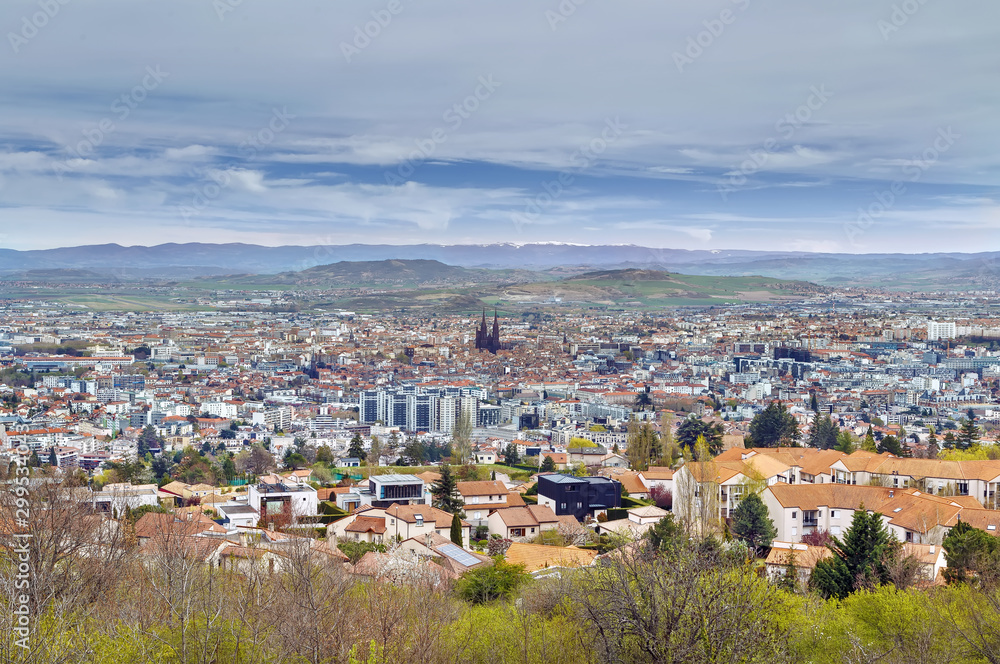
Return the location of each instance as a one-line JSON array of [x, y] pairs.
[[963, 488], [477, 515], [795, 531], [795, 515], [420, 519], [562, 506], [474, 500], [579, 505], [532, 530], [834, 514]]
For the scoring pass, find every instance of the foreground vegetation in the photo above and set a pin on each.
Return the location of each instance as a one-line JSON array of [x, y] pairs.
[[96, 595]]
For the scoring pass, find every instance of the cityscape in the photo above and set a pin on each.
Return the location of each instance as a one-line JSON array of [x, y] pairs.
[[568, 332]]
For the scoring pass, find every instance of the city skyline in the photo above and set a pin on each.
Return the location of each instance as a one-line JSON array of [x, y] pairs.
[[730, 125]]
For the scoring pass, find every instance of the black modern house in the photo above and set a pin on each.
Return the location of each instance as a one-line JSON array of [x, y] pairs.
[[578, 496]]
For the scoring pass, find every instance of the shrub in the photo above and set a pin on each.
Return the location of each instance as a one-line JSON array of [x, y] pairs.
[[662, 497], [499, 581]]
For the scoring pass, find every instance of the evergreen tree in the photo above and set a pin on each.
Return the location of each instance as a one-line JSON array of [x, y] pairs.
[[548, 465], [860, 560], [456, 530], [823, 434], [773, 427], [752, 524], [868, 444], [510, 455], [968, 434], [147, 439], [949, 441], [814, 403], [52, 457], [891, 445], [445, 492], [693, 427], [845, 442], [356, 450], [493, 476], [932, 444]]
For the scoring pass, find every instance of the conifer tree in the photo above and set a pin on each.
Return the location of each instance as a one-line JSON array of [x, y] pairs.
[[752, 524], [445, 492], [456, 530], [861, 559]]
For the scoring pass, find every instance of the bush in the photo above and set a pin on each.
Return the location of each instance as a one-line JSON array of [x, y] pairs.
[[356, 550], [662, 497], [499, 581], [616, 513]]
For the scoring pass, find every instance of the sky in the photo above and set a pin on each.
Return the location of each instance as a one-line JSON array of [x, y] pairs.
[[851, 126]]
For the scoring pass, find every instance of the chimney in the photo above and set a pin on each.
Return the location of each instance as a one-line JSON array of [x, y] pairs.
[[932, 549], [428, 540], [891, 493]]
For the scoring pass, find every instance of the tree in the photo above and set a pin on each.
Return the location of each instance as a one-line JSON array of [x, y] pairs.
[[891, 445], [643, 445], [548, 465], [147, 439], [375, 451], [456, 529], [415, 452], [461, 438], [665, 534], [693, 427], [824, 432], [968, 434], [933, 449], [643, 400], [485, 584], [845, 442], [510, 455], [813, 403], [969, 550], [752, 524], [445, 492], [860, 560], [227, 434], [773, 427], [355, 449], [949, 441], [868, 443], [661, 496], [324, 455]]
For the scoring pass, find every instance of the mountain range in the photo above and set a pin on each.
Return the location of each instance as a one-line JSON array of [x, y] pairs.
[[930, 271]]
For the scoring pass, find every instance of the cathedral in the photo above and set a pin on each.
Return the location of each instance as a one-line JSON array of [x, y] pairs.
[[488, 340]]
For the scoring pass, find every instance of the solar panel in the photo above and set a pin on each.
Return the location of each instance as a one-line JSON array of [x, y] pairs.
[[459, 554]]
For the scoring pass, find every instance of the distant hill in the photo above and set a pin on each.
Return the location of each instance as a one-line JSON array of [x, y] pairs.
[[945, 271], [659, 288]]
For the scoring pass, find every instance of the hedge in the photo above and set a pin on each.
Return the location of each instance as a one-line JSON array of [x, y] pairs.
[[617, 513]]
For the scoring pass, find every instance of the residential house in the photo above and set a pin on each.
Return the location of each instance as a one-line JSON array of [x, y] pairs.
[[578, 496], [540, 558], [276, 499], [401, 522], [522, 522]]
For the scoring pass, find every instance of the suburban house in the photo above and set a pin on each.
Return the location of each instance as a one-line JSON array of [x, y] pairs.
[[912, 516], [980, 479], [179, 494], [446, 553], [273, 497], [632, 482], [396, 521], [578, 496], [930, 559], [713, 489], [635, 525], [115, 498], [237, 515], [481, 498], [522, 522], [660, 476], [387, 490]]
